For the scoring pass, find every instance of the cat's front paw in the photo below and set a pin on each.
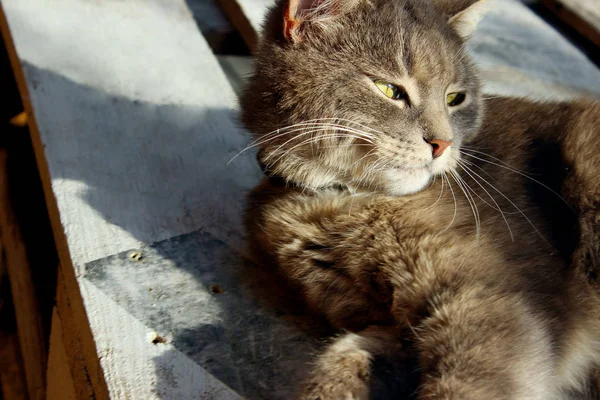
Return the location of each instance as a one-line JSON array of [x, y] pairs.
[[346, 380], [343, 372]]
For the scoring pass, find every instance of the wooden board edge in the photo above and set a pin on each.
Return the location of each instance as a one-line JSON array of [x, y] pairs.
[[60, 380], [236, 15], [71, 296], [27, 313], [573, 20], [74, 336]]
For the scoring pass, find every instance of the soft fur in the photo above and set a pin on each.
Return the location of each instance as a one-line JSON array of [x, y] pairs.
[[485, 285]]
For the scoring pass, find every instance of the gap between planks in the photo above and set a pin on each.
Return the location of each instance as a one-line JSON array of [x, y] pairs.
[[568, 11], [29, 324], [60, 380]]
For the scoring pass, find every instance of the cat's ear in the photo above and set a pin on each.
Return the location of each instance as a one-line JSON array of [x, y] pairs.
[[464, 15], [466, 21], [319, 13], [295, 12]]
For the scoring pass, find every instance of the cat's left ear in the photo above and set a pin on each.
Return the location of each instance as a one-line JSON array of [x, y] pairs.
[[466, 21], [464, 15]]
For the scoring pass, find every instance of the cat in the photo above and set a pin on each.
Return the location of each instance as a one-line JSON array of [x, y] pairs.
[[454, 236]]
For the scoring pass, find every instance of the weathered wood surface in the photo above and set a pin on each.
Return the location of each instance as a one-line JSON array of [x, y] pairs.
[[13, 385], [517, 52], [29, 324], [60, 381], [582, 15], [134, 125]]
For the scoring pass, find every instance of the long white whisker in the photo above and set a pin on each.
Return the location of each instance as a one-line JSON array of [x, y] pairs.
[[454, 197], [303, 127], [310, 140], [522, 174], [467, 169], [516, 207], [464, 163], [323, 137], [470, 163], [473, 150], [470, 200], [441, 193]]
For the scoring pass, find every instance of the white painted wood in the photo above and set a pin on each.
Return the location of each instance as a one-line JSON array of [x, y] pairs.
[[138, 369], [137, 119], [137, 122], [519, 54]]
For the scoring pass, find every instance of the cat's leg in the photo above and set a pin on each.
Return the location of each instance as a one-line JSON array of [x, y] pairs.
[[345, 370], [300, 237], [478, 346]]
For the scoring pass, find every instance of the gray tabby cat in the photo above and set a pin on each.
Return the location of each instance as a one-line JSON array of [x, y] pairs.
[[401, 207]]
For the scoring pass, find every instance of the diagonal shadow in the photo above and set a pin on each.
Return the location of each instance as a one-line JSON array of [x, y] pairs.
[[158, 174]]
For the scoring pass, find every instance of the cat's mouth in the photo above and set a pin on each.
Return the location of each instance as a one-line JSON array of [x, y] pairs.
[[403, 181], [407, 179]]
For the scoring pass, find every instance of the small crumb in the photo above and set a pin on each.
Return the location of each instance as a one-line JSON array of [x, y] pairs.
[[136, 256], [216, 289], [155, 338]]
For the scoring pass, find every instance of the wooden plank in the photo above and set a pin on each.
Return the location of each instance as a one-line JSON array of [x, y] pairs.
[[88, 348], [247, 16], [13, 385], [581, 15], [60, 381], [246, 25], [132, 144], [138, 368], [83, 362], [29, 324]]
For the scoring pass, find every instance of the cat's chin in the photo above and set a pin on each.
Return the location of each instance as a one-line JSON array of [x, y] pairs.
[[400, 182]]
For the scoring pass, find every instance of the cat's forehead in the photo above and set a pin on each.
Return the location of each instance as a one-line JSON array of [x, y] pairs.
[[401, 38]]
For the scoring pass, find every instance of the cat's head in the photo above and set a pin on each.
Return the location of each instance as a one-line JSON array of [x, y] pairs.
[[373, 95]]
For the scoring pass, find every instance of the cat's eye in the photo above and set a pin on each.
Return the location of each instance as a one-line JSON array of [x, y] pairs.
[[455, 99], [391, 91]]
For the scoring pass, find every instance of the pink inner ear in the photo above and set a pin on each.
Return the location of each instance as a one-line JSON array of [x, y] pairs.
[[290, 23], [293, 16]]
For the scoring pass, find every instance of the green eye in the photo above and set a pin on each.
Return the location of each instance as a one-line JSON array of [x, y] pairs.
[[455, 99], [391, 91]]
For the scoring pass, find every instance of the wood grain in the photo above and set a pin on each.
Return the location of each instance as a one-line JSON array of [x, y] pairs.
[[246, 27], [13, 385], [87, 350], [132, 143], [29, 324], [60, 381], [581, 15]]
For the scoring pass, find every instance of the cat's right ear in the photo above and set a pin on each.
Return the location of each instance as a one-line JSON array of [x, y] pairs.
[[295, 11], [319, 14]]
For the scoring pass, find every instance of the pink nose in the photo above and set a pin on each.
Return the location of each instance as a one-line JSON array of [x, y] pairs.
[[439, 146]]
